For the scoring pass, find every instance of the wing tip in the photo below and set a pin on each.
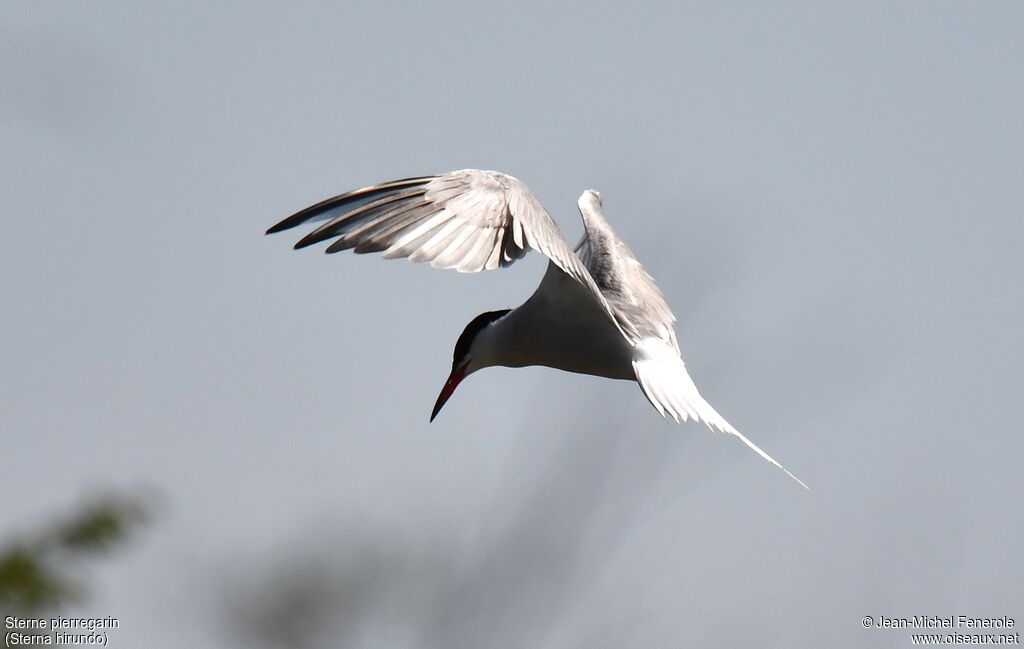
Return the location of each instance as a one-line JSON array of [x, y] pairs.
[[364, 193], [277, 227]]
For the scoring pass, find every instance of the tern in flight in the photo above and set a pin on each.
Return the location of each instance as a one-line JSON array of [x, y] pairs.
[[596, 310]]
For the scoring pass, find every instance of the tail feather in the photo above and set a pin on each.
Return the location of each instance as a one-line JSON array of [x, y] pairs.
[[667, 385]]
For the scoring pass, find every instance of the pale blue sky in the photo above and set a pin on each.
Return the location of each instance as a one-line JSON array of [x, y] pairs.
[[828, 194]]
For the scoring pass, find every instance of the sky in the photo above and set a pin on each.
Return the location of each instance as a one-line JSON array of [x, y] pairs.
[[828, 194]]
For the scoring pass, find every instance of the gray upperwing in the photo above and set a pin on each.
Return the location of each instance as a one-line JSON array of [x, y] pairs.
[[628, 288]]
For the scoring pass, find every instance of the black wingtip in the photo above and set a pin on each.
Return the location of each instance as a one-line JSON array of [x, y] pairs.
[[298, 218], [364, 194]]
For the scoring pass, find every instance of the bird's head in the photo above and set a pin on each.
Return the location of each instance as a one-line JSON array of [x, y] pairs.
[[469, 356]]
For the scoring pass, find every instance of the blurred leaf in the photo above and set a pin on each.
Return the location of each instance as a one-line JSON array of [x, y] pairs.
[[37, 570], [102, 525], [28, 583]]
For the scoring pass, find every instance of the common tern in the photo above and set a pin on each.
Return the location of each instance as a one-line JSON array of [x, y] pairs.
[[596, 310]]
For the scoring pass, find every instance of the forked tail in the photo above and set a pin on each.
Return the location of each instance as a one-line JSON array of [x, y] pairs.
[[665, 382]]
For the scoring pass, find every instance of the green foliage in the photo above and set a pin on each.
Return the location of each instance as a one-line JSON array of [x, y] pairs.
[[36, 569], [29, 583], [103, 524]]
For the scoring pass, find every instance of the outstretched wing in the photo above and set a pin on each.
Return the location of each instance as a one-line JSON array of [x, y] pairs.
[[665, 382], [469, 220], [634, 297]]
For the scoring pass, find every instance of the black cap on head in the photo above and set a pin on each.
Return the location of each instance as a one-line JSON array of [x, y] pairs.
[[475, 326], [460, 366]]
